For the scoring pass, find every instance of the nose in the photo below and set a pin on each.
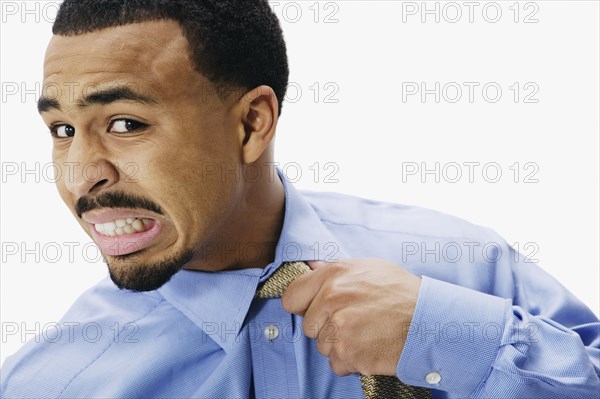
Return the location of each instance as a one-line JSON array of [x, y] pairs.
[[87, 169]]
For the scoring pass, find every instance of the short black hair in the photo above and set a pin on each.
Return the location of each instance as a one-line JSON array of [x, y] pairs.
[[236, 44]]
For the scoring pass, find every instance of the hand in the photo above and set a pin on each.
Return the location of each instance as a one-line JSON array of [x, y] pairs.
[[358, 310]]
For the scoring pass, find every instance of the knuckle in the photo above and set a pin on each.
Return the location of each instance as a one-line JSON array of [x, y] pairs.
[[287, 302], [322, 347], [334, 291], [337, 367], [309, 328], [327, 334], [367, 370], [344, 349], [333, 365], [329, 297], [338, 268], [336, 321]]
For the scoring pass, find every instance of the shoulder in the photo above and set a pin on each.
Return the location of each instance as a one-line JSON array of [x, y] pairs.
[[342, 211], [105, 302], [48, 362], [424, 241]]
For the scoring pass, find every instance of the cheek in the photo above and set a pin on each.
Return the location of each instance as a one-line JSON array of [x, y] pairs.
[[61, 174], [191, 171], [63, 192], [191, 190], [195, 199], [194, 170], [67, 198]]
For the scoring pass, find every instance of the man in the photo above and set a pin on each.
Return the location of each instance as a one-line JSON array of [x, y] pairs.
[[190, 91]]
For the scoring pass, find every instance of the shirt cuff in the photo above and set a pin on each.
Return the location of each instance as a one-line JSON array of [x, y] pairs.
[[453, 338]]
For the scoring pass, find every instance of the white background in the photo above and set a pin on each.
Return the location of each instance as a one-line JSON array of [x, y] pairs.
[[370, 135]]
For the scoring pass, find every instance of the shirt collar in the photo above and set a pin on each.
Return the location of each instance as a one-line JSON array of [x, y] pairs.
[[303, 237], [217, 302]]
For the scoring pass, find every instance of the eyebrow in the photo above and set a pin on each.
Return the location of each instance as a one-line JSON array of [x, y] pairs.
[[45, 104], [101, 97]]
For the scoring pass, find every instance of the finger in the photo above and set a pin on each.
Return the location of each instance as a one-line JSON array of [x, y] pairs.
[[325, 347], [347, 261], [327, 339], [315, 317], [316, 264], [300, 293], [338, 366]]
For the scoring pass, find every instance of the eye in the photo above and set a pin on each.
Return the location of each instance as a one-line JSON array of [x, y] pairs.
[[125, 126], [62, 131]]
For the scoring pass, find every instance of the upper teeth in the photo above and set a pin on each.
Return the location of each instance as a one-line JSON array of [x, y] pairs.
[[122, 226]]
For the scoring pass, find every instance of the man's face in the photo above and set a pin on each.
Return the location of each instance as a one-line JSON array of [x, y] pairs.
[[138, 127]]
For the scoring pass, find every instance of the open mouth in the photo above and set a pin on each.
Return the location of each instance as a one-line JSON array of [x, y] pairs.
[[122, 231], [120, 227]]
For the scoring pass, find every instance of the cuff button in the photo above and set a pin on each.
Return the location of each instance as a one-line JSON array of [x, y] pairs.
[[433, 378]]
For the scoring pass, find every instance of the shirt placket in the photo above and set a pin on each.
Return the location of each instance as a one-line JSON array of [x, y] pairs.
[[271, 334]]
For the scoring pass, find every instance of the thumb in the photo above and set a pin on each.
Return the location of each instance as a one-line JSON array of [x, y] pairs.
[[316, 264]]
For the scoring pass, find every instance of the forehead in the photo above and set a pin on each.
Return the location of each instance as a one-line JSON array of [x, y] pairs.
[[150, 55]]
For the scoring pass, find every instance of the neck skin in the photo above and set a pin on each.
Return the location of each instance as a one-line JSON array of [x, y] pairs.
[[249, 234]]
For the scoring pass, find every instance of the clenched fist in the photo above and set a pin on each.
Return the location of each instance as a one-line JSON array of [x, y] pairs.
[[358, 310]]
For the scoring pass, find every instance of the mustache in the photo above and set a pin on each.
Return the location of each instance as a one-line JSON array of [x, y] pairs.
[[115, 199]]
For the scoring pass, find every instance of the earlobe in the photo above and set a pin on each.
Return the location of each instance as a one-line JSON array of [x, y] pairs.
[[260, 120]]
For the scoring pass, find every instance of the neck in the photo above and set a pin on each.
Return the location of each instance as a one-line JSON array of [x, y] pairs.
[[249, 236]]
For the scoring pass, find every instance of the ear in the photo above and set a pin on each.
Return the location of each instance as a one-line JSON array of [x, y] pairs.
[[260, 114]]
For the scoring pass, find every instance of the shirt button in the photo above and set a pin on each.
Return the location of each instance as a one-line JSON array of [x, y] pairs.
[[433, 378], [271, 332]]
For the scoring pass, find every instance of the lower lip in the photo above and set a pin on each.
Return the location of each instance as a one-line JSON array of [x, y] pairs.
[[126, 243]]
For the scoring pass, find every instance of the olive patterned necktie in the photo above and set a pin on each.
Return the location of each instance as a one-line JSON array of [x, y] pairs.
[[373, 386]]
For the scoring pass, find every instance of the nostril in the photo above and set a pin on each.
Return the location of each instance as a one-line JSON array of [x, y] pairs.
[[99, 184]]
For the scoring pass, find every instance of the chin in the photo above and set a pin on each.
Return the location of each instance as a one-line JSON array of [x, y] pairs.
[[128, 272]]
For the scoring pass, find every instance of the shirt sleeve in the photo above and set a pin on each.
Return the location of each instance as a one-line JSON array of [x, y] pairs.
[[543, 342]]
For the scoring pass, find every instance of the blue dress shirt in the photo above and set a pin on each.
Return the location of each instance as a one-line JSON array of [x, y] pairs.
[[488, 324]]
